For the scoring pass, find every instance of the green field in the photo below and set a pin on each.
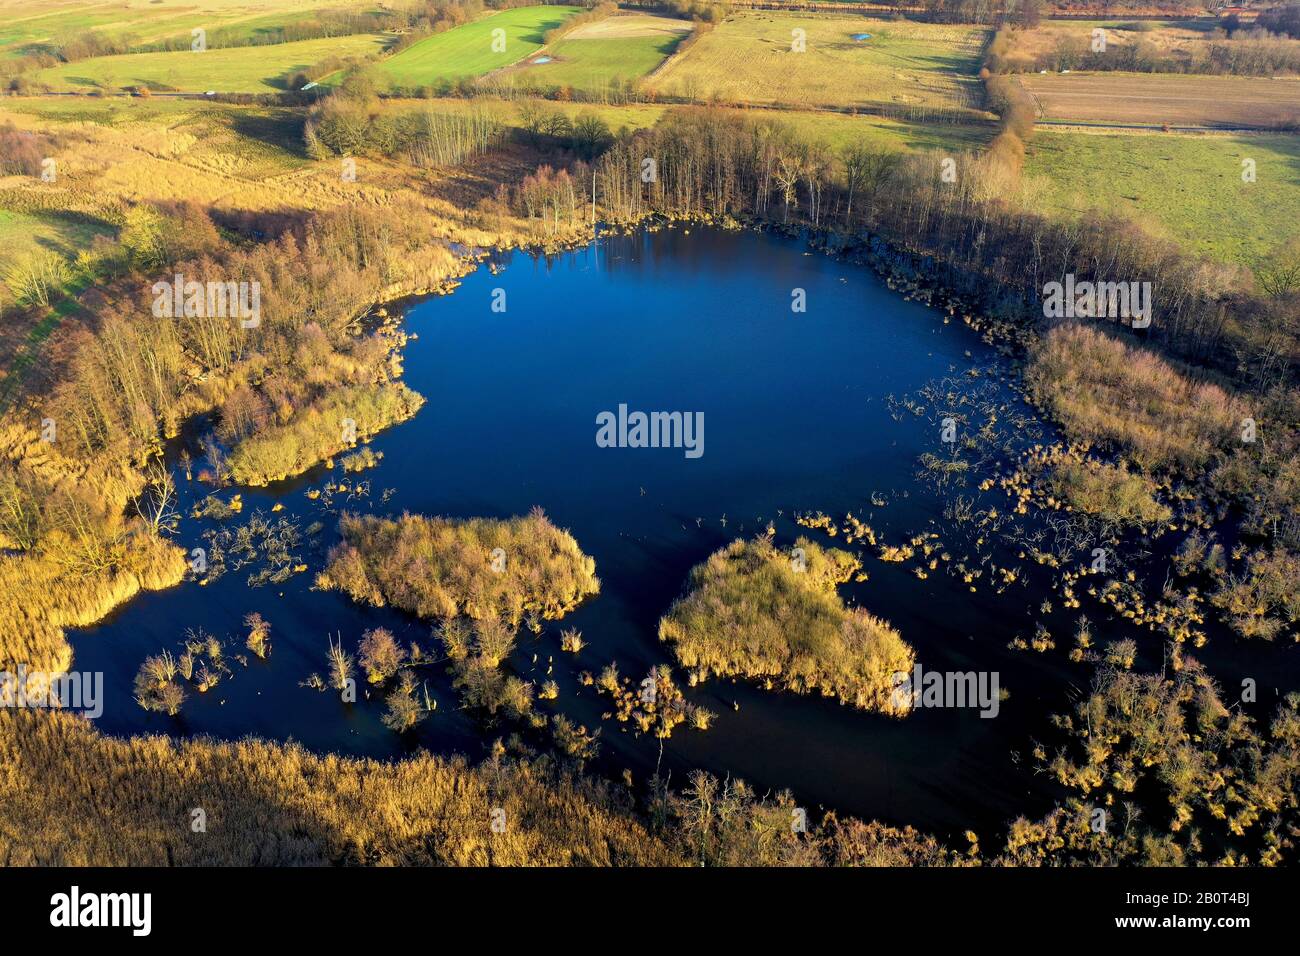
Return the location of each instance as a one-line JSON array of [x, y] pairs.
[[837, 130], [609, 53], [21, 233], [253, 69], [22, 27], [832, 130], [232, 30], [27, 26], [595, 64], [467, 50], [1188, 188]]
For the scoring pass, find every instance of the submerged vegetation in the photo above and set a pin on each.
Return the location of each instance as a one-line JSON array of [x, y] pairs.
[[1107, 492], [1228, 787], [1226, 792], [756, 611]]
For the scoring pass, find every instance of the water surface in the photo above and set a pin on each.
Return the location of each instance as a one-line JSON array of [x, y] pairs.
[[796, 419]]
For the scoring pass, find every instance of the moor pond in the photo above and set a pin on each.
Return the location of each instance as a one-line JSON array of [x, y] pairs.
[[798, 418]]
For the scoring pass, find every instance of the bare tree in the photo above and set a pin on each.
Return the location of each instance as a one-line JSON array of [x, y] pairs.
[[866, 170], [1279, 276], [340, 665], [156, 502]]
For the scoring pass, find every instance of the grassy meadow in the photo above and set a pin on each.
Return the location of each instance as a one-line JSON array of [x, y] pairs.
[[834, 130], [24, 27], [252, 69], [1188, 188], [22, 232], [24, 236], [120, 148], [467, 50], [748, 59], [28, 26], [840, 130]]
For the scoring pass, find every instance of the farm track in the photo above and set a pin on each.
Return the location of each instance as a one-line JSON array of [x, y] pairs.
[[1077, 127], [973, 117]]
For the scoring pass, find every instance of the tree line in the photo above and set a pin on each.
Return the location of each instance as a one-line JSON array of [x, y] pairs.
[[349, 124], [1254, 52]]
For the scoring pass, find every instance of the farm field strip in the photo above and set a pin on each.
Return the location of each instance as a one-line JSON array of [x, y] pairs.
[[467, 51], [33, 24], [831, 129], [616, 50], [252, 69], [1154, 99]]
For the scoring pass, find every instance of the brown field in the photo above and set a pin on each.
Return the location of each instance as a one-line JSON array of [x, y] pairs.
[[1153, 99], [1171, 38], [117, 152], [626, 25], [749, 58]]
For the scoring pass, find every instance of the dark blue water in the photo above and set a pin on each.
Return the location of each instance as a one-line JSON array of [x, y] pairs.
[[795, 419]]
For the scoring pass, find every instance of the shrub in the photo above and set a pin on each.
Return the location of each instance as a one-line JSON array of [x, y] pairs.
[[155, 686], [573, 739], [380, 655], [259, 634], [340, 665], [404, 711]]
